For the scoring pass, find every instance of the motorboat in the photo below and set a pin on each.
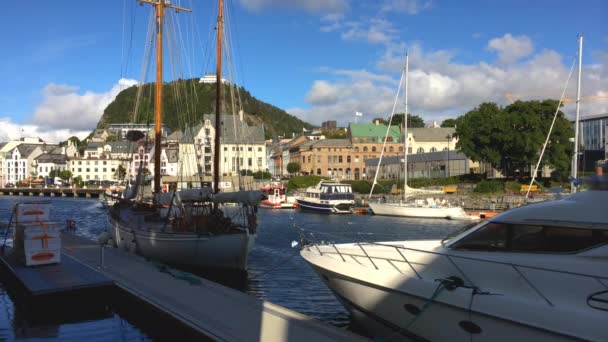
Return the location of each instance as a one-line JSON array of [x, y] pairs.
[[534, 273], [328, 197], [276, 197]]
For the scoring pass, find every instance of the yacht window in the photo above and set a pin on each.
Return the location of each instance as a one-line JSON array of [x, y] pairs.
[[491, 237], [555, 239], [532, 239]]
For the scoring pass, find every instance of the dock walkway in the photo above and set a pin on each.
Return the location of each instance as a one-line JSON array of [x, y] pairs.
[[216, 311]]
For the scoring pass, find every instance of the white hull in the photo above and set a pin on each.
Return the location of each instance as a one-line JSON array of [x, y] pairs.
[[389, 301], [229, 251], [408, 210]]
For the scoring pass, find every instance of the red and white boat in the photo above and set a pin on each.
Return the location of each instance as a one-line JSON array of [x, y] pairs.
[[276, 197]]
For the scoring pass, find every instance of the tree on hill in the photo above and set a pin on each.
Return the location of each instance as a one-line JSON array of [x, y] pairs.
[[293, 168], [120, 173], [202, 101], [511, 138], [412, 120], [449, 123]]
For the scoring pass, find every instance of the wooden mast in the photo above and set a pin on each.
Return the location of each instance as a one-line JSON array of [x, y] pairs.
[[159, 6], [218, 84]]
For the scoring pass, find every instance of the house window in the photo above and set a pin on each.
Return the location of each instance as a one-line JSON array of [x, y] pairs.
[[249, 148], [318, 159], [259, 149], [259, 162], [373, 148], [226, 149], [249, 162], [420, 150], [339, 159], [364, 149], [348, 159], [433, 149], [104, 169]]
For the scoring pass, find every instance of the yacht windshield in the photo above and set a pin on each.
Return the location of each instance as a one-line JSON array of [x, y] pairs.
[[458, 232], [496, 236]]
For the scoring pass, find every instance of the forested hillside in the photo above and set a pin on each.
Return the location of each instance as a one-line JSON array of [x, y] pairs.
[[185, 102]]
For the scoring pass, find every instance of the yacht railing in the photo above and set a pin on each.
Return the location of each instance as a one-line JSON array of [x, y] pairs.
[[402, 250]]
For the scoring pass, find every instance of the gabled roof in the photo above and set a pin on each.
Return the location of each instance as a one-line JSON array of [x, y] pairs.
[[235, 131], [430, 134], [26, 149], [119, 146], [93, 145], [377, 132], [52, 158]]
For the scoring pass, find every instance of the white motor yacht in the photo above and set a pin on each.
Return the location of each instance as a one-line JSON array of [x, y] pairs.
[[535, 273]]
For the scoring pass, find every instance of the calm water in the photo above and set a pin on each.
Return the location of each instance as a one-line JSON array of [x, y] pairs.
[[276, 272]]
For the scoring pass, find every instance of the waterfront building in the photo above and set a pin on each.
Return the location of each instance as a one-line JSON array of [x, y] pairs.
[[211, 79], [120, 130], [17, 163], [101, 169], [423, 165], [368, 140], [593, 140], [243, 147], [431, 139], [327, 157], [47, 162], [117, 149], [329, 124]]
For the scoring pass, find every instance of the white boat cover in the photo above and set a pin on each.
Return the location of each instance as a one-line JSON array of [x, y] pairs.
[[248, 197], [195, 195]]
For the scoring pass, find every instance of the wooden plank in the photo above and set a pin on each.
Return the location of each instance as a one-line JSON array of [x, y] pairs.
[[216, 311]]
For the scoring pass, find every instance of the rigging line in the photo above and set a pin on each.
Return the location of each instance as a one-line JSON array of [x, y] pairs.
[[238, 47], [122, 38], [542, 152], [385, 137], [148, 44]]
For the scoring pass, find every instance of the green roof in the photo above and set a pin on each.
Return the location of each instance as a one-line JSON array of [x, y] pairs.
[[376, 132]]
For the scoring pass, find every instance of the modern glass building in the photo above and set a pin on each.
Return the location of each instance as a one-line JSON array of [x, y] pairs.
[[593, 132]]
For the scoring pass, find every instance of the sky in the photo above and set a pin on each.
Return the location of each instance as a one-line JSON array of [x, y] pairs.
[[64, 61]]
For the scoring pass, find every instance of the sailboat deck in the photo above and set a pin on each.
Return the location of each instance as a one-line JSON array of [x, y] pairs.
[[214, 310]]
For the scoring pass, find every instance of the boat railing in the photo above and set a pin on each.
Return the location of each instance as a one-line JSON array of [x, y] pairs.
[[402, 251]]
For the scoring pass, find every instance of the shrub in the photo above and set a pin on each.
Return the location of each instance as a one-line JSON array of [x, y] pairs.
[[490, 186], [299, 182]]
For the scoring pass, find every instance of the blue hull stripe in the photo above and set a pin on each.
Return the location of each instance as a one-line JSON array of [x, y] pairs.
[[318, 207]]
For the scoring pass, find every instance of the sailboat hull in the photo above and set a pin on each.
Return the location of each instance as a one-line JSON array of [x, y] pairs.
[[226, 251], [406, 210]]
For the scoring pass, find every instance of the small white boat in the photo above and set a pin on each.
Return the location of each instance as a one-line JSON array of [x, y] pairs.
[[276, 197], [328, 197], [534, 273]]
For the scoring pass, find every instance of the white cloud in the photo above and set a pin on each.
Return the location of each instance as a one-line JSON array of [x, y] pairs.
[[510, 48], [15, 131], [313, 6], [63, 113], [440, 88], [64, 108], [411, 7], [375, 31]]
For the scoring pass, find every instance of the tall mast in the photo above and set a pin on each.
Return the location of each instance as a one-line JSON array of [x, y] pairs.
[[576, 122], [218, 84], [407, 62], [159, 6]]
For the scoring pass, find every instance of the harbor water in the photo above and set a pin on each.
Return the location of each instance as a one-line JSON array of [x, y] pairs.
[[276, 271]]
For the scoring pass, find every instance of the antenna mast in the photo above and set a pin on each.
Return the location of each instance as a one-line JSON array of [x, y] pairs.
[[159, 6], [218, 83]]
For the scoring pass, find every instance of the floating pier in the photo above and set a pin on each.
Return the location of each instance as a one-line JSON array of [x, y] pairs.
[[211, 309], [62, 278]]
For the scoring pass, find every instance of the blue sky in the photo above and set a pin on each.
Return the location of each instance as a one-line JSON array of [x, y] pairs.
[[318, 59]]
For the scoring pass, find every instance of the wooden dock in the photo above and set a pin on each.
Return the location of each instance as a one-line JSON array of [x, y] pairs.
[[53, 191], [213, 310], [67, 276]]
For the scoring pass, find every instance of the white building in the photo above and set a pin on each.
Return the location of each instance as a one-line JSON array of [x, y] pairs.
[[96, 169], [210, 78], [242, 147], [17, 163], [47, 162]]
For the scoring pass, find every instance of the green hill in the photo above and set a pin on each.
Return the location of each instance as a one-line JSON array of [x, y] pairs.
[[185, 102]]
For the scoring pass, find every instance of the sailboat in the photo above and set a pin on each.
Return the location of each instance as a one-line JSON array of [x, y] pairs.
[[422, 208], [190, 227]]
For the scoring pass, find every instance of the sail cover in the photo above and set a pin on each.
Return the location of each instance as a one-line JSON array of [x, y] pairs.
[[248, 197]]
